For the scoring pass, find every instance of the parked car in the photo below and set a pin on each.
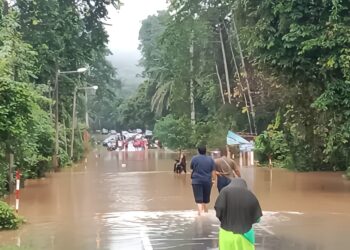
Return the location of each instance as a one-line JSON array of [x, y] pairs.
[[105, 131], [113, 132], [108, 140]]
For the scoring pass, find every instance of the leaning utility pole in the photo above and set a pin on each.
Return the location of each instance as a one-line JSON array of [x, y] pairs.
[[252, 110], [225, 65], [220, 83], [240, 82]]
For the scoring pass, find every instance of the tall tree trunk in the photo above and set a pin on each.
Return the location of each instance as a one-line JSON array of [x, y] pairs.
[[240, 83], [193, 111], [10, 159], [252, 109], [220, 83], [225, 66]]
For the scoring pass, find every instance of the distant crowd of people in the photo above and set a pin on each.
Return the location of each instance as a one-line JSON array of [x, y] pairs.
[[236, 206]]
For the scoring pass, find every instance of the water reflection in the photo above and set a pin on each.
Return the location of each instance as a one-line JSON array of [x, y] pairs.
[[108, 206]]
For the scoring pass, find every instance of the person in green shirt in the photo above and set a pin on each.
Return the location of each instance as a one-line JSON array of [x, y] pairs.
[[238, 209]]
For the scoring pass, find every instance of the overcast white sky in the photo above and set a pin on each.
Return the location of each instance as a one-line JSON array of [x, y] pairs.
[[126, 23]]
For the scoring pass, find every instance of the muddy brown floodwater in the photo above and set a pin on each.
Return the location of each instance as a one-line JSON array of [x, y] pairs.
[[104, 204]]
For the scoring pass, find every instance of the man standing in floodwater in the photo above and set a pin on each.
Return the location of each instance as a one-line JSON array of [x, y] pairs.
[[226, 169], [203, 173], [237, 209]]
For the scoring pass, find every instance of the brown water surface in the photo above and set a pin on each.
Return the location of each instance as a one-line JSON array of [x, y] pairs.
[[102, 204]]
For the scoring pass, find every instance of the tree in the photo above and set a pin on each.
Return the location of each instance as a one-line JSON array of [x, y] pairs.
[[305, 46]]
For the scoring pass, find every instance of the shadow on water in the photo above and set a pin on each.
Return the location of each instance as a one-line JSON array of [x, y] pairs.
[[133, 200]]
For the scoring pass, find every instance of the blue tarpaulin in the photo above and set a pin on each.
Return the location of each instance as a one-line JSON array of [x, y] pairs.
[[234, 139]]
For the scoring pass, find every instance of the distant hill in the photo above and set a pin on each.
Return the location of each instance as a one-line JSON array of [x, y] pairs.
[[127, 69]]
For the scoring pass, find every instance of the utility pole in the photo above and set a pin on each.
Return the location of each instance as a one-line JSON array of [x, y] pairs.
[[220, 83], [193, 112], [240, 81], [73, 122], [252, 109], [86, 110], [225, 65], [58, 72], [55, 158], [64, 130], [74, 118]]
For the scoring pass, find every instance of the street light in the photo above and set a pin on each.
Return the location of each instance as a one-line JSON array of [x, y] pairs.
[[81, 70], [58, 72], [73, 114]]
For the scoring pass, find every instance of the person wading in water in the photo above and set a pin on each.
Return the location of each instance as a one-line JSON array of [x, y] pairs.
[[237, 209], [203, 173], [226, 169]]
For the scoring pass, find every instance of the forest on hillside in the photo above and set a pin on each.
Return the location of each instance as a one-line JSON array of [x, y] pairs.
[[278, 69]]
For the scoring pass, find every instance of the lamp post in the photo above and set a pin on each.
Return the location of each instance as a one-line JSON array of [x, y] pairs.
[[58, 72], [74, 116]]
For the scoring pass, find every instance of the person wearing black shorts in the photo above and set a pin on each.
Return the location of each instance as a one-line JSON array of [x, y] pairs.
[[203, 172]]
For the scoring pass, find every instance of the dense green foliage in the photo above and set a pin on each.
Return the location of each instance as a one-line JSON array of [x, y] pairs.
[[305, 46], [175, 72], [287, 57], [37, 39], [175, 133], [8, 217], [271, 144]]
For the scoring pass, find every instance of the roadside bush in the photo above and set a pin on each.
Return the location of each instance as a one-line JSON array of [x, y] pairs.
[[174, 132], [347, 173], [271, 145], [211, 134], [178, 133], [8, 217], [64, 158], [79, 150]]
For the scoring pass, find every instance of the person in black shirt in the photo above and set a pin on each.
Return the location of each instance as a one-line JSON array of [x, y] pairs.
[[237, 209]]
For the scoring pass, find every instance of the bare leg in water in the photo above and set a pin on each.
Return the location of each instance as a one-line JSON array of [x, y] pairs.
[[205, 208], [202, 208]]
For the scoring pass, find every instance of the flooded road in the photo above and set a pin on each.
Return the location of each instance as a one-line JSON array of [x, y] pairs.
[[133, 200]]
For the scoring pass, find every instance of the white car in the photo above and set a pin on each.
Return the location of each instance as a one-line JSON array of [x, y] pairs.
[[113, 132], [108, 139]]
